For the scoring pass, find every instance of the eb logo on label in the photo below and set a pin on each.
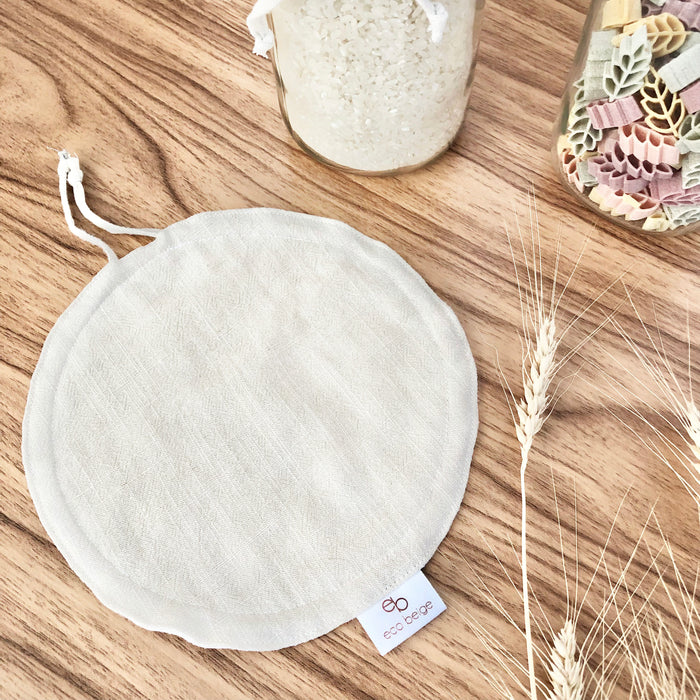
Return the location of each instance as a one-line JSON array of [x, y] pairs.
[[400, 605], [389, 605]]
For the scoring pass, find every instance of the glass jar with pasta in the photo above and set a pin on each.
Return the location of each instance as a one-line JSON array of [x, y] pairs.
[[628, 140]]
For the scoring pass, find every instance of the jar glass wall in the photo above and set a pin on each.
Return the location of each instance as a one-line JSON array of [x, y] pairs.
[[364, 86], [628, 139]]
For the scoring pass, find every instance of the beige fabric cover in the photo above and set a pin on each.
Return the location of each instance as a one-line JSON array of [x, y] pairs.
[[248, 431]]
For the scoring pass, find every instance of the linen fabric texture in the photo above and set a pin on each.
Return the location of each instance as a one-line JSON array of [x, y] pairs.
[[251, 429]]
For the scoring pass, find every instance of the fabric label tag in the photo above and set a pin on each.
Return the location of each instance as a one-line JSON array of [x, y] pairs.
[[402, 613]]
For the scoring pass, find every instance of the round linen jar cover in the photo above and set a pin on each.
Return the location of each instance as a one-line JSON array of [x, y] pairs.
[[251, 429]]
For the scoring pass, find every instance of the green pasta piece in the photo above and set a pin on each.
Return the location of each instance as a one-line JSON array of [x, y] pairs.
[[583, 136], [587, 180], [630, 63], [600, 52], [690, 134], [682, 215], [691, 171]]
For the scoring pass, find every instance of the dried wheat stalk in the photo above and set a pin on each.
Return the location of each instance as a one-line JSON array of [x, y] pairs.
[[542, 337], [568, 654]]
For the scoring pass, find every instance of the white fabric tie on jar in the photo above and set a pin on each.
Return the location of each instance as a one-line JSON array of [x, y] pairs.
[[250, 430], [436, 13]]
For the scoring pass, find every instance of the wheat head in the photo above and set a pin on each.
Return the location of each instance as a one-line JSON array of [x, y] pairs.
[[537, 380], [565, 668]]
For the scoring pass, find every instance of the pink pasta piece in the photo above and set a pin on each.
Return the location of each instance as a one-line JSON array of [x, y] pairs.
[[604, 171], [647, 144], [687, 12], [605, 115], [633, 207], [646, 207], [569, 163], [672, 192], [688, 198], [691, 97], [607, 143], [630, 164], [607, 199]]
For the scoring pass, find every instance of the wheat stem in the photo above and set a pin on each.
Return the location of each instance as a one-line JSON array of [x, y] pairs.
[[526, 596], [531, 412]]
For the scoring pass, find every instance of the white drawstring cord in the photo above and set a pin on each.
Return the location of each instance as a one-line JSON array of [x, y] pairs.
[[259, 28], [436, 13], [437, 16], [69, 173]]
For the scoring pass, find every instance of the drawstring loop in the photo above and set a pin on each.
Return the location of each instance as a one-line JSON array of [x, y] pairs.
[[69, 173]]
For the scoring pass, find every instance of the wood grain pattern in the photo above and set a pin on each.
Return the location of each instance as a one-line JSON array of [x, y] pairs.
[[172, 115]]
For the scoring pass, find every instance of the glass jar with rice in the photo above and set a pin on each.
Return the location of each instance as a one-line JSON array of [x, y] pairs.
[[371, 86]]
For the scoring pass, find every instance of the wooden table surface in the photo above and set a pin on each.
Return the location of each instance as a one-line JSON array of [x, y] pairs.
[[172, 115]]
